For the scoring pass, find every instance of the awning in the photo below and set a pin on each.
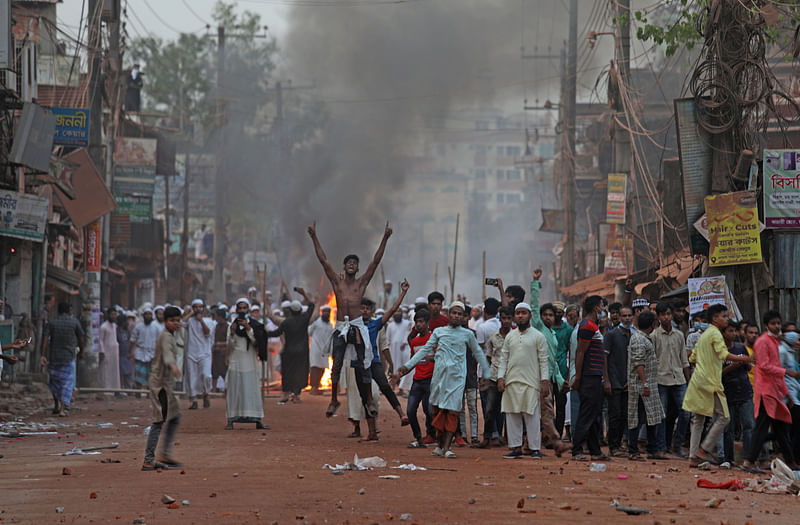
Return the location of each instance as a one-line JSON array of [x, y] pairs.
[[92, 198], [601, 284], [63, 279], [673, 275]]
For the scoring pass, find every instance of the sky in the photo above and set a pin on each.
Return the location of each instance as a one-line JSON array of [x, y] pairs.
[[167, 18]]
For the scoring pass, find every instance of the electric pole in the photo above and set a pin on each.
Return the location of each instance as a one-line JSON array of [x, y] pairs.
[[622, 139], [568, 146], [218, 281]]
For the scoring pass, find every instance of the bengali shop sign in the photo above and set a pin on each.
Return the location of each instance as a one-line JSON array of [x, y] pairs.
[[615, 202], [619, 252], [72, 126], [782, 188], [23, 216], [93, 246], [135, 166], [733, 228]]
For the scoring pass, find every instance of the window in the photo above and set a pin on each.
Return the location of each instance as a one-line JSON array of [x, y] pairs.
[[500, 198], [480, 174], [513, 198], [513, 151], [513, 175]]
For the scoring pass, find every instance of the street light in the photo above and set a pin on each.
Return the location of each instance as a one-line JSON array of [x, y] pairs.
[[591, 36]]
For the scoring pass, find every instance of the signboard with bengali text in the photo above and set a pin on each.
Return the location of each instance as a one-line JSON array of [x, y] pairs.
[[23, 216], [72, 126], [733, 232], [782, 188], [617, 193]]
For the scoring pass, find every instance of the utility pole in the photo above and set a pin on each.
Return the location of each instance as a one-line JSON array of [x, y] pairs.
[[94, 232], [622, 139], [220, 240], [568, 146], [115, 71], [185, 232]]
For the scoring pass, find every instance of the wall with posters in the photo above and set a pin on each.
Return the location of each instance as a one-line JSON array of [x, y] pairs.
[[782, 188], [733, 232]]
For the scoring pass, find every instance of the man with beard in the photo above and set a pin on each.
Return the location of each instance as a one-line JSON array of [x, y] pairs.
[[543, 323], [349, 290], [143, 348], [616, 344], [197, 364], [294, 357], [320, 333], [246, 339], [523, 377], [158, 312]]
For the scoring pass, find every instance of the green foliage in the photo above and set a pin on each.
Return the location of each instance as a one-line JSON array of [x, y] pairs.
[[674, 23]]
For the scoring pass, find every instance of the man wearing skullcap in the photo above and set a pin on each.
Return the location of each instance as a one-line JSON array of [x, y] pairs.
[[246, 340], [197, 364], [143, 348], [320, 332], [450, 344]]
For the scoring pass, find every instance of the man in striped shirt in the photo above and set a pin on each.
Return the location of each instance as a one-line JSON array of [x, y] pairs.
[[591, 382]]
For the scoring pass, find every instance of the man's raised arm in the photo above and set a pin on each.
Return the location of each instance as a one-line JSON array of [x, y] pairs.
[[326, 266], [378, 255]]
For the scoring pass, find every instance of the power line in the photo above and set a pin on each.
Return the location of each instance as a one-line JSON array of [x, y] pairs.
[[194, 12]]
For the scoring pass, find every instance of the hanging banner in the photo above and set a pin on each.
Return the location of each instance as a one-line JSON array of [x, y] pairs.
[[619, 252], [23, 216], [93, 233], [733, 229], [617, 193], [705, 291], [782, 188]]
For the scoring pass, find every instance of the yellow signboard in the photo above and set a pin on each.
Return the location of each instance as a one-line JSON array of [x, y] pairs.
[[733, 232]]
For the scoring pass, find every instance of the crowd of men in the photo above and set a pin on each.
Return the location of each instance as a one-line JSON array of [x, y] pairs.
[[548, 375]]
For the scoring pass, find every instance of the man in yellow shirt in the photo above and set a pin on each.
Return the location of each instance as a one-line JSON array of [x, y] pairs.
[[705, 395], [751, 333]]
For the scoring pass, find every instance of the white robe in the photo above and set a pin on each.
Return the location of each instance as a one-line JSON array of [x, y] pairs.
[[320, 333], [524, 364], [108, 369], [243, 383], [197, 359], [397, 334]]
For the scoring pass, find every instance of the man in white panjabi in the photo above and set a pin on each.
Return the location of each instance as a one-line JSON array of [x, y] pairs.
[[244, 403], [397, 333], [197, 360], [320, 332], [108, 368], [522, 376]]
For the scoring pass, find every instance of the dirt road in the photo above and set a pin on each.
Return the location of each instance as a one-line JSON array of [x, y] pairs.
[[276, 476]]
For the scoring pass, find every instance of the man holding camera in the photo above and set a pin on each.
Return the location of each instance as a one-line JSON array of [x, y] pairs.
[[197, 364], [246, 340]]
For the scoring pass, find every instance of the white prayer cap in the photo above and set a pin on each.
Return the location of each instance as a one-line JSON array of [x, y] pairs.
[[130, 313], [255, 307], [285, 304], [296, 306], [387, 281], [458, 304], [147, 310], [420, 300], [252, 289], [522, 306], [244, 300], [197, 302], [269, 293], [404, 308], [157, 308], [222, 306], [380, 311], [325, 307]]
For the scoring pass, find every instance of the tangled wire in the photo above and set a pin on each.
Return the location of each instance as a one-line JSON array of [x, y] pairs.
[[733, 85]]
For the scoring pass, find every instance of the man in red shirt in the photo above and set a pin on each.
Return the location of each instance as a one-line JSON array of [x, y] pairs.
[[421, 387], [437, 318]]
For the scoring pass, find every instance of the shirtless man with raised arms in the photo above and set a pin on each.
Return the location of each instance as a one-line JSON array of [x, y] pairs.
[[349, 290]]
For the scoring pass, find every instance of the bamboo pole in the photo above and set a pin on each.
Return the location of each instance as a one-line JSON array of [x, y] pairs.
[[483, 280], [436, 276], [450, 276], [455, 255]]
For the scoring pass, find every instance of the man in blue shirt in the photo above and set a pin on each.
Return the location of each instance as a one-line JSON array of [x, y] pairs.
[[376, 371]]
